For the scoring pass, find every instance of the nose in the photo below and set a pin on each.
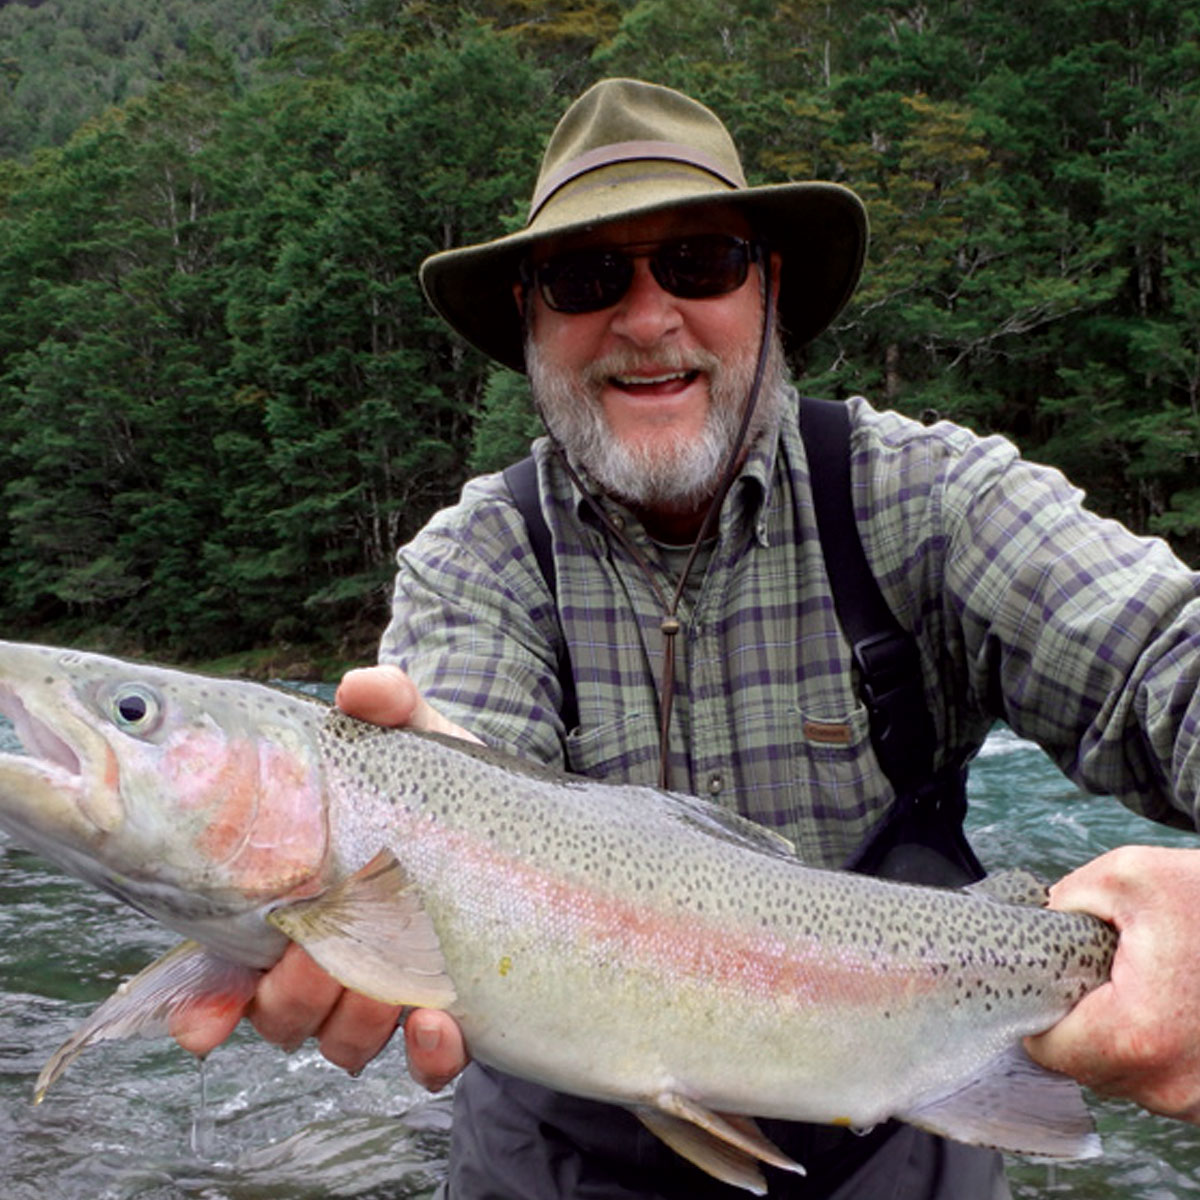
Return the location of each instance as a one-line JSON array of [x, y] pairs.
[[646, 313]]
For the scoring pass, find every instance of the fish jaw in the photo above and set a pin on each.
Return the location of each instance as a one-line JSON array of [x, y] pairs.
[[192, 800], [67, 781]]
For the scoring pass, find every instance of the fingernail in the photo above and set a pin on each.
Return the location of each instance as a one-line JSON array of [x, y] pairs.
[[427, 1035]]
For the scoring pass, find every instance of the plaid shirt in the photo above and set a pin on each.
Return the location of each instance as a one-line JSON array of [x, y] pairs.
[[1025, 607]]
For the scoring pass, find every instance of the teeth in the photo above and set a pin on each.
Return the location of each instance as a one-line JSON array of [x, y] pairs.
[[646, 380]]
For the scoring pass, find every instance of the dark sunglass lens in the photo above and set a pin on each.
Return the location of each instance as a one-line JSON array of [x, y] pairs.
[[586, 281], [698, 267]]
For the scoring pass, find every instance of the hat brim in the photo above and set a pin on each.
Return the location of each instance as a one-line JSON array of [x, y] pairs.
[[819, 229]]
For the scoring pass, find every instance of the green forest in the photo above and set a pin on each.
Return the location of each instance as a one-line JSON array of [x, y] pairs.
[[224, 402]]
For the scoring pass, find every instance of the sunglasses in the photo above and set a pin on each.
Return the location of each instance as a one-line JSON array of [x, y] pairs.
[[690, 268]]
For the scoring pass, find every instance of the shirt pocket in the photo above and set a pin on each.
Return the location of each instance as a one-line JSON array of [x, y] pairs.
[[826, 783], [625, 747], [827, 745]]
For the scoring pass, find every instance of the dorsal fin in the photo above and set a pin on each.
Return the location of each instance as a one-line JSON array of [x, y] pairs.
[[1015, 886]]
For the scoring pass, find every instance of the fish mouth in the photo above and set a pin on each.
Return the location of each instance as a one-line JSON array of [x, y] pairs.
[[38, 739], [54, 798]]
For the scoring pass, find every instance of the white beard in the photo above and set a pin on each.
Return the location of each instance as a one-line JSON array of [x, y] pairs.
[[682, 473]]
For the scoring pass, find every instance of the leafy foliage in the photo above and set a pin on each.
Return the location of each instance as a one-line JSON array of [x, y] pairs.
[[224, 402]]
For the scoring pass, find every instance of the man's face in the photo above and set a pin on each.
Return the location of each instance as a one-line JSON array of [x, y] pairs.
[[647, 394]]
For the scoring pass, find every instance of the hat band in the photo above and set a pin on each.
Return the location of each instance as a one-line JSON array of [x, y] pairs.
[[620, 152]]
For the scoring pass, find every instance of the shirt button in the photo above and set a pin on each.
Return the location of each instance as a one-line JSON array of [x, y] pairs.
[[715, 783]]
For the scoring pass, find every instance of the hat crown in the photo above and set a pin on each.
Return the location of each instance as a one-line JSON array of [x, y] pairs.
[[628, 149], [619, 120]]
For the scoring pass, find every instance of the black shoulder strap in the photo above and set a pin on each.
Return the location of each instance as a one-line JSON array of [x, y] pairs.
[[890, 667], [921, 839], [521, 478], [886, 656]]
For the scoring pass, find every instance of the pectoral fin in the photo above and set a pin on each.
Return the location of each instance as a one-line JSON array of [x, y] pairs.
[[726, 1146], [371, 932], [184, 988]]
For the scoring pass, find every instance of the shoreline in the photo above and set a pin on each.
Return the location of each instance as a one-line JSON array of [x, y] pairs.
[[299, 662]]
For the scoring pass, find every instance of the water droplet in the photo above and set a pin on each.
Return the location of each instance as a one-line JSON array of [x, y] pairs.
[[202, 1138]]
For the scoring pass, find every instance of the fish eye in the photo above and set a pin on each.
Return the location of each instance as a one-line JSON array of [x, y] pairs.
[[136, 708]]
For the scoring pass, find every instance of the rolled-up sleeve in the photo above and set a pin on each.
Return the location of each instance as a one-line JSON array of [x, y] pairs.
[[1082, 636]]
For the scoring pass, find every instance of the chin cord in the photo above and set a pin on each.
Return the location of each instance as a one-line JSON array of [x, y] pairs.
[[670, 625]]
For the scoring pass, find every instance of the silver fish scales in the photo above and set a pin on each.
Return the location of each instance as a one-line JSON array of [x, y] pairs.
[[618, 942]]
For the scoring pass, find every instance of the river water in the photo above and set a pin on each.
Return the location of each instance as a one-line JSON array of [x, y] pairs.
[[140, 1121]]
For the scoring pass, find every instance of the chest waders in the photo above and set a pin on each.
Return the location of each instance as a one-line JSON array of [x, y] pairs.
[[514, 1140]]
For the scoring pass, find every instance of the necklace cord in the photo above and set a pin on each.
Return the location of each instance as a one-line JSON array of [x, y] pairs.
[[670, 625]]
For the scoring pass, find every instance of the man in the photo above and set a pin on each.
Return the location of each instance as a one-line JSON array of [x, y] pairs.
[[695, 611]]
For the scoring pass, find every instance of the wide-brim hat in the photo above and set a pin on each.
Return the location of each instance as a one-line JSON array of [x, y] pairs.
[[627, 148]]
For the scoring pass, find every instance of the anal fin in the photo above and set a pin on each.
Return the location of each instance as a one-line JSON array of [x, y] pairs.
[[727, 1146], [372, 934]]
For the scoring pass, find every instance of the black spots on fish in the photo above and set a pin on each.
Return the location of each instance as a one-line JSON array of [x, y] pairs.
[[1030, 959], [583, 856], [984, 994]]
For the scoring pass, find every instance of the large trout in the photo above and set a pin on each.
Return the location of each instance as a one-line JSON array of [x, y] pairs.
[[617, 942]]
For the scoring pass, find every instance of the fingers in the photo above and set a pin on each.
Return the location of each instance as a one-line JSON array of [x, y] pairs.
[[1138, 1035], [434, 1043], [206, 1028], [294, 999], [357, 1030], [1104, 887], [385, 695], [297, 1000]]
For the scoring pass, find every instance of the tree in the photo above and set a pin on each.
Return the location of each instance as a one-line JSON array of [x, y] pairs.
[[224, 401], [368, 401]]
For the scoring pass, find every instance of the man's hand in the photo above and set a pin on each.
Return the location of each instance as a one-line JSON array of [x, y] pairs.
[[1138, 1035], [297, 1000], [385, 695]]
